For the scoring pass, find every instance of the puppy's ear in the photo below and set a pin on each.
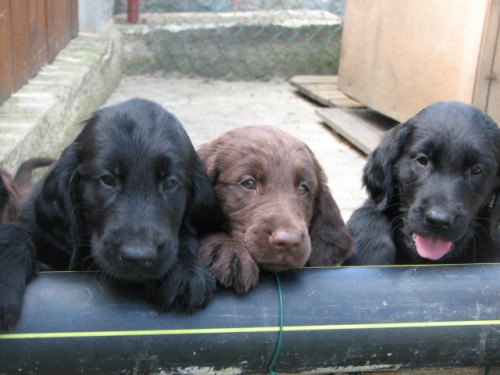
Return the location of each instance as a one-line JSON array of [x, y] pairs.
[[378, 177], [330, 241], [205, 209], [208, 154], [11, 201], [55, 206], [495, 216]]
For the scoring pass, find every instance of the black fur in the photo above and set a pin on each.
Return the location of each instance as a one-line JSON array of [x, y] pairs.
[[126, 197], [435, 176]]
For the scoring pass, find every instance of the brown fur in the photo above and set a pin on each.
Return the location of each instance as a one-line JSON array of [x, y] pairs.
[[288, 219], [16, 190], [11, 205], [24, 175]]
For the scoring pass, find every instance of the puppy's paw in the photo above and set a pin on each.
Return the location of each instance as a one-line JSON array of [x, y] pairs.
[[230, 263], [183, 289], [11, 299]]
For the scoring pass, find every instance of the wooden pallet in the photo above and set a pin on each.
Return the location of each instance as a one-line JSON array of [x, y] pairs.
[[324, 90], [361, 127], [356, 123]]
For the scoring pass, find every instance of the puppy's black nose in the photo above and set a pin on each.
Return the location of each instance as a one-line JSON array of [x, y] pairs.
[[439, 218], [140, 255]]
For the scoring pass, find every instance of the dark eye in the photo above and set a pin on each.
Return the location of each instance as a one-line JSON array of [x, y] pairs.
[[423, 160], [303, 188], [169, 183], [475, 170], [107, 180], [249, 184]]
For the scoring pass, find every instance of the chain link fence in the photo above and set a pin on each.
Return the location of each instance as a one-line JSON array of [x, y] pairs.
[[235, 39]]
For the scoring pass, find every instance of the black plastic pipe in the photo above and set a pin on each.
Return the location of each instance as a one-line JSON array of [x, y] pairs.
[[334, 319]]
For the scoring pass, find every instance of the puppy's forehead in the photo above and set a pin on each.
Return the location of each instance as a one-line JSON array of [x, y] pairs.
[[267, 154], [126, 137], [456, 130], [454, 116]]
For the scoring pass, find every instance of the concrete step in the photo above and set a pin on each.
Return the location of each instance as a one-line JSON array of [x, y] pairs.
[[233, 45], [40, 119]]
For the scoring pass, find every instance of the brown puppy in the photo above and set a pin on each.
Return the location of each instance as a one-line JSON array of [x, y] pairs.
[[24, 175], [280, 211], [14, 191], [10, 202]]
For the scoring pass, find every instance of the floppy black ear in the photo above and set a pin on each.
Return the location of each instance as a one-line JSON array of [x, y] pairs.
[[378, 171], [495, 216], [205, 209], [55, 206], [330, 241], [331, 244]]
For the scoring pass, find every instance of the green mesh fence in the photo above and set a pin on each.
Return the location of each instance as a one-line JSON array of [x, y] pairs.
[[235, 39]]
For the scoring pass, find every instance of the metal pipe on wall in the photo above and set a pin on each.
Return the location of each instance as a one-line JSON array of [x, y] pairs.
[[133, 11], [334, 319]]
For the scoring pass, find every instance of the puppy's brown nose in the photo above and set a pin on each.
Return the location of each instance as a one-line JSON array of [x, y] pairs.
[[286, 239]]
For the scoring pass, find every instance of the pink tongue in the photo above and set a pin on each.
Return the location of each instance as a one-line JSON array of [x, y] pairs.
[[431, 248]]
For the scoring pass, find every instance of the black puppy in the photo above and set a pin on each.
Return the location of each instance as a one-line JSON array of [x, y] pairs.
[[125, 197], [433, 186]]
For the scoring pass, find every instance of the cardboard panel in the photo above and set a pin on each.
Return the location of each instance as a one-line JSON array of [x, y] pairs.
[[399, 56]]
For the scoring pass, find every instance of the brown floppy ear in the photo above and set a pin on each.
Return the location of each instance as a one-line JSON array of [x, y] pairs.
[[12, 207], [330, 241]]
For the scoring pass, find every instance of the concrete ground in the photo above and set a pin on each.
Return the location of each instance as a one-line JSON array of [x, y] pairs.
[[207, 108]]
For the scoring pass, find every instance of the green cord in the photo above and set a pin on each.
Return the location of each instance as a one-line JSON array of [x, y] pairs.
[[280, 336]]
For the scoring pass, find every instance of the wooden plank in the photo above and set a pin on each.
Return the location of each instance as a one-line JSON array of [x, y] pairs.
[[67, 27], [493, 77], [6, 84], [74, 18], [363, 128], [324, 90], [20, 43], [53, 28], [485, 71], [38, 35], [300, 80], [492, 107], [60, 25]]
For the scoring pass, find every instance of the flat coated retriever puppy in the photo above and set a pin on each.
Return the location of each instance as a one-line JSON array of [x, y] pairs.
[[280, 211], [433, 186], [125, 197]]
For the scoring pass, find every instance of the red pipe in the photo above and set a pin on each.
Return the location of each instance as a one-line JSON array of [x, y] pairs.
[[133, 11]]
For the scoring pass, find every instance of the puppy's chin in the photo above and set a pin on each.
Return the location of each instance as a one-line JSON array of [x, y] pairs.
[[281, 266], [274, 267], [113, 263]]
